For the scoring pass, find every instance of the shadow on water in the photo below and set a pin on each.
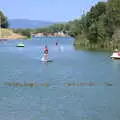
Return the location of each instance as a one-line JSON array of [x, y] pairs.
[[78, 47]]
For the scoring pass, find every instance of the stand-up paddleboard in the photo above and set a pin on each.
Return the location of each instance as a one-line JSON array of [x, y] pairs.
[[46, 61], [43, 60]]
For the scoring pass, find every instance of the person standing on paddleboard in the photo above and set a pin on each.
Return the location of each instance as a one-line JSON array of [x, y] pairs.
[[46, 53], [56, 43]]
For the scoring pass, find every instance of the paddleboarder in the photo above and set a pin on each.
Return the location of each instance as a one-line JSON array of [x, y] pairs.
[[56, 43], [46, 53]]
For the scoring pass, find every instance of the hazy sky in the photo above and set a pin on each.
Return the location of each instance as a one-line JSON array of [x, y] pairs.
[[48, 10]]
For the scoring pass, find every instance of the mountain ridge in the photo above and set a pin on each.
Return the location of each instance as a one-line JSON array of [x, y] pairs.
[[28, 23]]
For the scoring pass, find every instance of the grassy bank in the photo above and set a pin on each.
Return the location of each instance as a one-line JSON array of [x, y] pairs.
[[101, 46], [9, 34]]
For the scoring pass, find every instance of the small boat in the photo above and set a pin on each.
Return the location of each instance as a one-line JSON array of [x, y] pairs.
[[21, 44], [116, 54]]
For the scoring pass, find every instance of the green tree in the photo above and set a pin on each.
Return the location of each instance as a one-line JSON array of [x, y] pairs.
[[101, 29], [4, 21], [25, 32], [93, 33], [113, 12], [94, 13]]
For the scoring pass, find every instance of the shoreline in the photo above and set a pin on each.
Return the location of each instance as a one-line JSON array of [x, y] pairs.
[[50, 35], [8, 34], [96, 47], [6, 39]]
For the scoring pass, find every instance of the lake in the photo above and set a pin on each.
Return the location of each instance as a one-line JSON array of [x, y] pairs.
[[69, 95]]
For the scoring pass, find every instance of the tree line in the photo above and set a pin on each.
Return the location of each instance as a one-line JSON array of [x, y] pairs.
[[100, 24]]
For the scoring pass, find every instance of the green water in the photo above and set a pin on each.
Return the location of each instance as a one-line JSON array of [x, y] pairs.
[[57, 101]]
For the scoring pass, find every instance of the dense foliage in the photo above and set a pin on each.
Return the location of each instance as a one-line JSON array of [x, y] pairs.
[[100, 24], [24, 32], [3, 20]]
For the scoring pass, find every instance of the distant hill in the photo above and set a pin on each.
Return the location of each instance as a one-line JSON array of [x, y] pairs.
[[26, 23]]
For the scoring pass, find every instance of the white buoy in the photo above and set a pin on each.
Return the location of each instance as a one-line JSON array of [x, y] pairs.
[[61, 48]]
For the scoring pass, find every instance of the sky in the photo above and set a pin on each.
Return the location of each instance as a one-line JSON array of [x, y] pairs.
[[46, 10]]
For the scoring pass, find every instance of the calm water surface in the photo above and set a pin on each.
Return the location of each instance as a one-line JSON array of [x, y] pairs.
[[57, 101]]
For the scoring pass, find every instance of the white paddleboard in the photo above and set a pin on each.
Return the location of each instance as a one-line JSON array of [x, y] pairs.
[[43, 60], [47, 61]]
